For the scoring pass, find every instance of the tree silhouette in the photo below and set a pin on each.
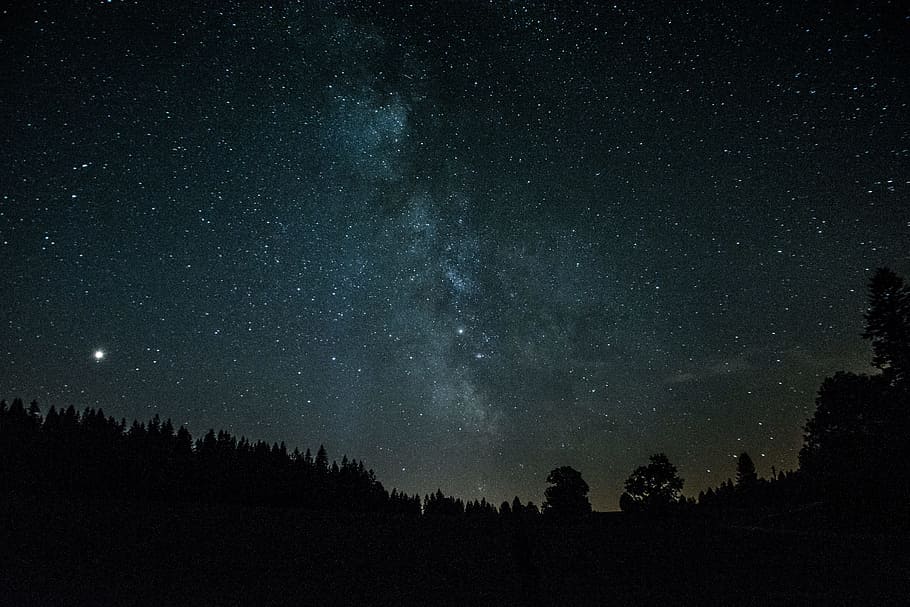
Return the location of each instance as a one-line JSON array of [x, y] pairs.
[[856, 440], [652, 488], [845, 440], [437, 504], [97, 455], [322, 460], [89, 453], [745, 471], [567, 495], [517, 507], [888, 324]]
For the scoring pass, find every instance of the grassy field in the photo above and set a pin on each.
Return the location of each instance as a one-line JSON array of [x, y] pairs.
[[65, 551]]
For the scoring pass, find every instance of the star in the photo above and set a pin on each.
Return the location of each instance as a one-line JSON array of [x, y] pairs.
[[400, 244]]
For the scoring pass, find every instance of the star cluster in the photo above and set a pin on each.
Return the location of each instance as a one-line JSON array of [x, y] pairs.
[[464, 243]]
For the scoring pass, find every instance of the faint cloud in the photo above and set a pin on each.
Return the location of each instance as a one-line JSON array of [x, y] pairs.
[[735, 365]]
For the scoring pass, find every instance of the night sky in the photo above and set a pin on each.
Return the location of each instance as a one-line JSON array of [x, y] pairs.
[[464, 241]]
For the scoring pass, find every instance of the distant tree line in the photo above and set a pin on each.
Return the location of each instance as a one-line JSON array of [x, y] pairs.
[[92, 454], [656, 489], [753, 494], [439, 505]]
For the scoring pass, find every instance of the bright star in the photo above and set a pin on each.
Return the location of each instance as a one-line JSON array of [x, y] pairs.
[[99, 355]]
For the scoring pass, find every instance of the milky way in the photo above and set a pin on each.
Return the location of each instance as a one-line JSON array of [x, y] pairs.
[[464, 243]]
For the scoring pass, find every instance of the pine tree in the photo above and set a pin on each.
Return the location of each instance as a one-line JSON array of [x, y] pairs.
[[322, 460], [888, 324], [745, 471]]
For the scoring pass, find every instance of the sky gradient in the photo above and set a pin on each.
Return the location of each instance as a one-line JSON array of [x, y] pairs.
[[465, 242]]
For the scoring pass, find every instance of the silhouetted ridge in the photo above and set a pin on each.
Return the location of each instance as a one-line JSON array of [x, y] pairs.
[[91, 454]]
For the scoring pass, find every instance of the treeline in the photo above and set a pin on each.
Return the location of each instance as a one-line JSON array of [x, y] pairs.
[[657, 489], [92, 454], [749, 492], [855, 460], [437, 504]]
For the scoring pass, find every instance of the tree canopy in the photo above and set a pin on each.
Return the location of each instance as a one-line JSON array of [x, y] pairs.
[[652, 488], [856, 441], [567, 495]]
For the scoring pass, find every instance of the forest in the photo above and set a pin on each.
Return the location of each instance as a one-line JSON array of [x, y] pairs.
[[67, 474]]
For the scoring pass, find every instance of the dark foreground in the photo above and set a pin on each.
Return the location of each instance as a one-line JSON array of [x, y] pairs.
[[65, 551]]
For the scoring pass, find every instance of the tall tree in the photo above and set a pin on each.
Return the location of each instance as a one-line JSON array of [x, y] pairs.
[[322, 460], [857, 439], [745, 471], [846, 439], [888, 324]]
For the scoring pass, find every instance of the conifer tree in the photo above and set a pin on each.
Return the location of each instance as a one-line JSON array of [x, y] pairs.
[[745, 471]]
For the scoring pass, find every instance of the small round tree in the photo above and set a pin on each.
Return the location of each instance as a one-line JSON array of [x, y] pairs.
[[567, 497], [652, 488]]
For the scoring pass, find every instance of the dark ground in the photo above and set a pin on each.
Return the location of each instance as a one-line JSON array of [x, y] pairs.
[[66, 551]]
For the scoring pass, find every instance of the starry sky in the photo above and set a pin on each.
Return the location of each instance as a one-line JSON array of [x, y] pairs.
[[466, 242]]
